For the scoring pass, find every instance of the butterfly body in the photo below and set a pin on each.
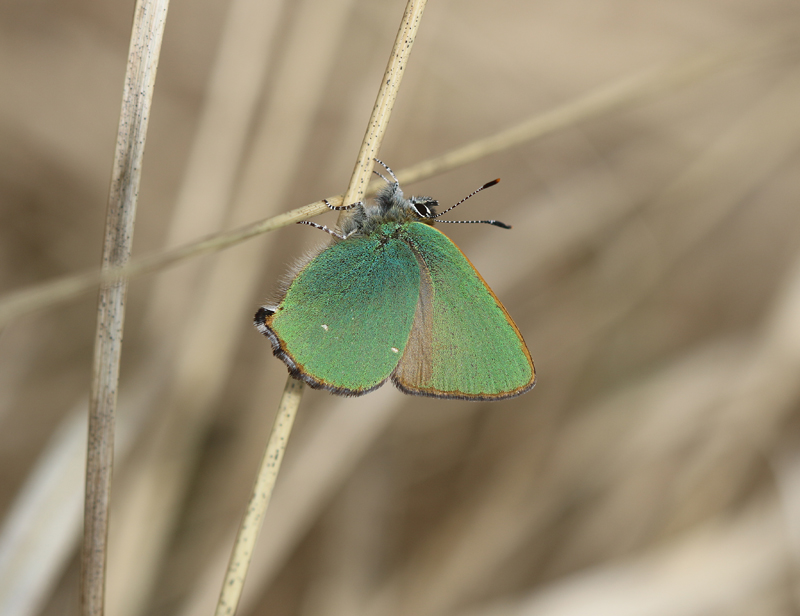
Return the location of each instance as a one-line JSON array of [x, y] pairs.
[[396, 299]]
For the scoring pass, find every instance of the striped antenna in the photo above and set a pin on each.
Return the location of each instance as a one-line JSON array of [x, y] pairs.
[[472, 194], [496, 223]]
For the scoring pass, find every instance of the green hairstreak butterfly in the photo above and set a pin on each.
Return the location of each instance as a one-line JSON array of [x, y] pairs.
[[393, 298]]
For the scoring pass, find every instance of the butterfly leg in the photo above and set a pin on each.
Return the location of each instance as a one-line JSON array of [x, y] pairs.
[[337, 208], [385, 166], [325, 229], [383, 177]]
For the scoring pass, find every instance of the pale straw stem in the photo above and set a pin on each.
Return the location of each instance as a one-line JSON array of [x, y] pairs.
[[265, 481], [384, 102], [259, 500], [148, 29]]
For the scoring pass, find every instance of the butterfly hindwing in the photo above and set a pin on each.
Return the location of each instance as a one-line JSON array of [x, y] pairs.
[[345, 320], [463, 343]]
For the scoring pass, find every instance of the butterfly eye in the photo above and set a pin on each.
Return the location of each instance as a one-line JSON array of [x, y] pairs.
[[424, 208]]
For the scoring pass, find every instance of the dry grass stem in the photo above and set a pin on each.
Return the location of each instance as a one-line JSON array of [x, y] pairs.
[[148, 496], [224, 300], [323, 458], [259, 501], [384, 102], [251, 523], [145, 46]]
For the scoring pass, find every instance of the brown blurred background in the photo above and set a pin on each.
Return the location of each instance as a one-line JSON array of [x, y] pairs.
[[653, 268]]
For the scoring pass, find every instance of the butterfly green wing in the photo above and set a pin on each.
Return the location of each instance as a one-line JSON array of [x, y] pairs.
[[463, 343], [345, 320]]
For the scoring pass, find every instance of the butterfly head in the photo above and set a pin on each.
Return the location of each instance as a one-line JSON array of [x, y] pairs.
[[391, 206]]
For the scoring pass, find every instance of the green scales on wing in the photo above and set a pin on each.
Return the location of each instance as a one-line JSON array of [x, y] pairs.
[[346, 317], [403, 302], [463, 343]]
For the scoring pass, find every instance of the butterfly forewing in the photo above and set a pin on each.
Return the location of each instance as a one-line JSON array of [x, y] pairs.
[[346, 317], [463, 343]]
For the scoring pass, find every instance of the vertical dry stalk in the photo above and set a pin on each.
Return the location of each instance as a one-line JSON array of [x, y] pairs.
[[259, 500], [148, 29], [146, 502], [265, 481], [384, 103]]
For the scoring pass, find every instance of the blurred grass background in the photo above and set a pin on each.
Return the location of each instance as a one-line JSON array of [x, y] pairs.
[[653, 268]]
